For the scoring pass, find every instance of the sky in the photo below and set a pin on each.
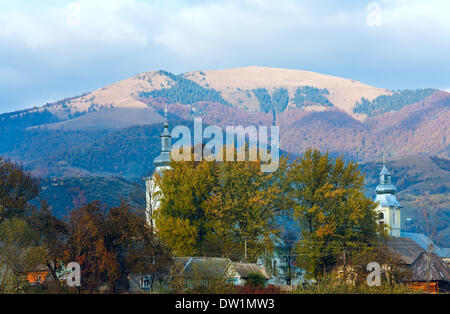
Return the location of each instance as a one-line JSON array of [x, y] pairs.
[[50, 50]]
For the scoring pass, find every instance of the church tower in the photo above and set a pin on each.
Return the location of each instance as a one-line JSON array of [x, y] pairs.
[[161, 163], [388, 209]]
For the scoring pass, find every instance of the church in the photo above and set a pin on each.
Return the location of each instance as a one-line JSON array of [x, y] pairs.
[[389, 215], [161, 163], [421, 255], [388, 209]]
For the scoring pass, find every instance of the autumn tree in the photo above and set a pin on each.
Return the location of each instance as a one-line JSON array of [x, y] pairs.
[[17, 188], [244, 205], [181, 219], [86, 245], [214, 208], [335, 216], [139, 251], [51, 234]]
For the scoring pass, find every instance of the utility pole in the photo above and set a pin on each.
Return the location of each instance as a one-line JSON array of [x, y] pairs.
[[245, 249]]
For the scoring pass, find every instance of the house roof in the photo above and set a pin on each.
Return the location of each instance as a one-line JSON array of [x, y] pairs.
[[245, 269], [424, 242], [429, 267], [203, 266], [39, 268], [407, 249], [206, 267]]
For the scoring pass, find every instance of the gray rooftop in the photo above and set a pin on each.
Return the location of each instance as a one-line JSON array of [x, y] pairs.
[[424, 242], [407, 250], [386, 200], [429, 267], [203, 267], [245, 269]]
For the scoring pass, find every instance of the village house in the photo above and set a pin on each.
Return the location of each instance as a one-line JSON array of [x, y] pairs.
[[426, 268], [38, 276], [191, 272], [424, 259]]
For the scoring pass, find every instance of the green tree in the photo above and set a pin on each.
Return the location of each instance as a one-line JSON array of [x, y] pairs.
[[256, 280], [335, 216], [18, 253]]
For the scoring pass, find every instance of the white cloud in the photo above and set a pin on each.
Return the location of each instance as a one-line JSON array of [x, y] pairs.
[[117, 22], [198, 27]]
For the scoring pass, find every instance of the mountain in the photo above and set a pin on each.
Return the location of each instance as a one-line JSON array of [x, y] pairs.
[[313, 110], [242, 88], [114, 132]]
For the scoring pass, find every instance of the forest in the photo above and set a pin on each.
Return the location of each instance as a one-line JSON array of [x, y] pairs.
[[185, 92], [395, 101]]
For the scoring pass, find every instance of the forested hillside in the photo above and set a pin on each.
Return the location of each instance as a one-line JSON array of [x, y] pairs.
[[184, 91], [395, 101]]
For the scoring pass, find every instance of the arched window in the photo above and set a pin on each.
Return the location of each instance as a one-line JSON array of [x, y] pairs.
[[380, 216]]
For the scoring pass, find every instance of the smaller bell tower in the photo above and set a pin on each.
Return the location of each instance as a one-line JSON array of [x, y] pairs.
[[388, 209]]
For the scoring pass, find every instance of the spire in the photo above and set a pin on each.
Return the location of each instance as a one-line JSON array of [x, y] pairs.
[[166, 144], [165, 113], [386, 187]]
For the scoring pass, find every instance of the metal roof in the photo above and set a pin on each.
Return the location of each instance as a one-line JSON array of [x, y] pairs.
[[384, 171], [424, 242], [387, 200]]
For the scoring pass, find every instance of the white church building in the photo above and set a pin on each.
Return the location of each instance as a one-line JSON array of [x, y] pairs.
[[161, 163], [388, 209]]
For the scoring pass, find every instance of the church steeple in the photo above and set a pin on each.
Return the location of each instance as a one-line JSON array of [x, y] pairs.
[[385, 186], [163, 159], [162, 162], [388, 207]]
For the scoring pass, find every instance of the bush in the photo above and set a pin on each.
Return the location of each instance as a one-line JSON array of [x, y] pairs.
[[256, 280], [333, 286]]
